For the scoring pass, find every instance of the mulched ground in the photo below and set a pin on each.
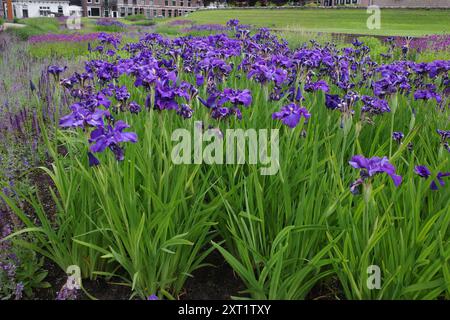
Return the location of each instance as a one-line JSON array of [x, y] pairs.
[[209, 283]]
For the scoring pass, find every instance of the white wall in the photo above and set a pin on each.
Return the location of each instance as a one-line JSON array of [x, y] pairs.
[[34, 7], [76, 10]]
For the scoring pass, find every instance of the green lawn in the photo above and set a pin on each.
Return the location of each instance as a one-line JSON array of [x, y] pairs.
[[393, 21]]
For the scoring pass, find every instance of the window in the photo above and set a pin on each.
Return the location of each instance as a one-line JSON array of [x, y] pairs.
[[106, 13], [342, 1], [125, 2], [189, 3], [95, 12], [150, 2], [60, 10], [347, 1], [163, 12], [89, 1], [174, 3], [44, 11], [155, 13], [122, 11], [355, 1], [130, 11], [97, 1], [135, 2], [166, 2]]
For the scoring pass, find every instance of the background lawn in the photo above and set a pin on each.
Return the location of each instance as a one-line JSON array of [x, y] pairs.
[[353, 21]]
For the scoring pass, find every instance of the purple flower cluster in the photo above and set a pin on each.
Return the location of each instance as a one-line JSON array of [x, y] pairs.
[[206, 27], [432, 42], [180, 22], [105, 22], [159, 68], [9, 285]]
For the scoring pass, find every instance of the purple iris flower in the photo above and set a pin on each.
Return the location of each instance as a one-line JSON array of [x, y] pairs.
[[93, 161], [236, 97], [439, 177], [82, 117], [69, 82], [104, 137], [374, 105], [427, 95], [424, 172], [134, 107], [96, 101], [357, 43], [185, 111], [445, 134], [56, 70], [233, 23], [398, 136], [111, 39], [199, 80], [263, 74], [333, 101], [372, 166], [291, 114], [122, 94], [220, 113], [316, 86], [210, 102]]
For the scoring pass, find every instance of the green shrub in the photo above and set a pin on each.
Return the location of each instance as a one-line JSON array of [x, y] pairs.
[[428, 56], [24, 33], [29, 274], [375, 45], [136, 17], [144, 23]]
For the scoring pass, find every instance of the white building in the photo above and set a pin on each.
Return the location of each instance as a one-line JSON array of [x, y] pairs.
[[36, 8], [76, 11]]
